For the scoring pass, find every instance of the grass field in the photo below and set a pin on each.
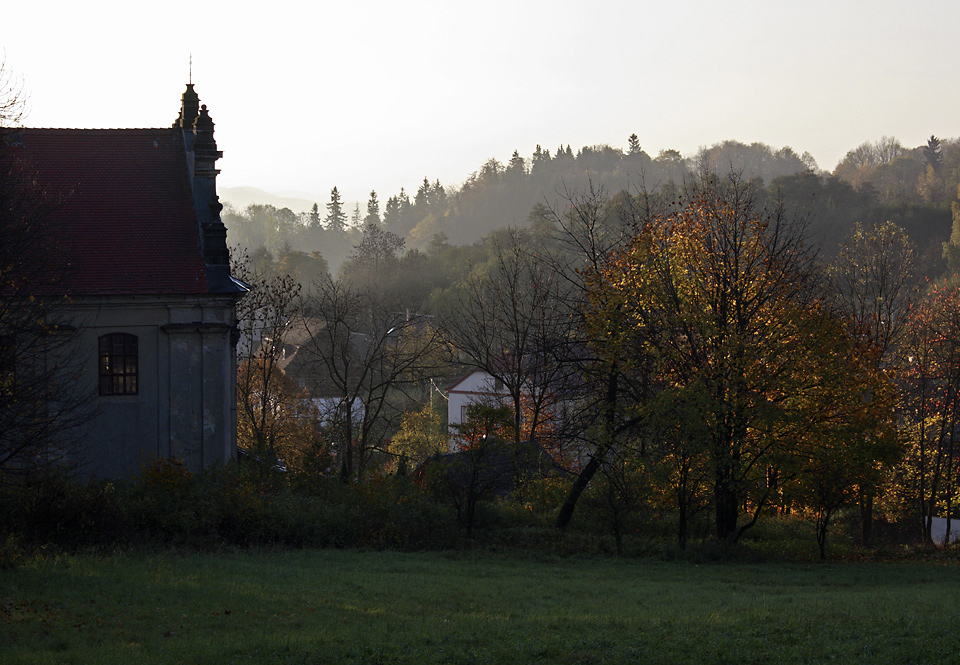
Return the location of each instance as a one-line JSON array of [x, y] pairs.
[[341, 606]]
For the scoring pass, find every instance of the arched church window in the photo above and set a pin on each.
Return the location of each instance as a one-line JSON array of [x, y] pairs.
[[118, 364]]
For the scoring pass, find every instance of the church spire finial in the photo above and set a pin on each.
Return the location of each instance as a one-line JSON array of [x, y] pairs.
[[190, 79]]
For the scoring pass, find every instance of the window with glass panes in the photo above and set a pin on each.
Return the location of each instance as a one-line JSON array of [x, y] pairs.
[[118, 364]]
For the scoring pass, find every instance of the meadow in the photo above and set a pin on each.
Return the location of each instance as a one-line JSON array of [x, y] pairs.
[[355, 606]]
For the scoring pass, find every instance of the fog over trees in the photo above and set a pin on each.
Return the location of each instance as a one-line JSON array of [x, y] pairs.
[[875, 182], [716, 336]]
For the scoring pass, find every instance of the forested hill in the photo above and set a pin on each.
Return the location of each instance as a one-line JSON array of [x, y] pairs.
[[877, 181]]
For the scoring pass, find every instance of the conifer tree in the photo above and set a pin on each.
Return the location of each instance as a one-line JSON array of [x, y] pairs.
[[421, 202], [540, 159], [391, 213], [438, 197], [373, 209], [516, 167], [932, 153], [336, 219]]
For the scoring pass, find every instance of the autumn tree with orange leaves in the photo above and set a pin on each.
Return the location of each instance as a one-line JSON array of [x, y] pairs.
[[724, 298], [931, 413]]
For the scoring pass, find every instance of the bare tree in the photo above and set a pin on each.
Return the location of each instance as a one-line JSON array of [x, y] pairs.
[[511, 323], [263, 395], [365, 360], [43, 398], [12, 97]]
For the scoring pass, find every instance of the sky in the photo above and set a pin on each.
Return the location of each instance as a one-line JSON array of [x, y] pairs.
[[365, 95]]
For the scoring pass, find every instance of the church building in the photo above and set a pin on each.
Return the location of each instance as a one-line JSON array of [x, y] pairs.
[[146, 270]]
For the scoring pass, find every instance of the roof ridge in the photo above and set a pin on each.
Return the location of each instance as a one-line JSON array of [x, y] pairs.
[[88, 129]]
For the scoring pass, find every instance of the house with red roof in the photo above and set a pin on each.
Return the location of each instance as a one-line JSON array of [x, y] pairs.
[[137, 239]]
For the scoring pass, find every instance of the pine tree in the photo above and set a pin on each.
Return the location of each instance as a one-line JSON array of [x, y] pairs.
[[540, 159], [517, 166], [633, 145], [438, 197], [336, 219], [356, 219], [313, 219], [373, 210], [421, 202], [932, 154], [391, 214]]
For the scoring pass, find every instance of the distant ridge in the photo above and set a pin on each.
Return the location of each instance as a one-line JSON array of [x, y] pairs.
[[241, 197]]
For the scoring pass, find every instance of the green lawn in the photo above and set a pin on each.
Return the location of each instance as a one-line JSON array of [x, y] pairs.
[[385, 607]]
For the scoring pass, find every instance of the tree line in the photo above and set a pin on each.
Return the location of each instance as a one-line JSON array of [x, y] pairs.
[[877, 181], [687, 351]]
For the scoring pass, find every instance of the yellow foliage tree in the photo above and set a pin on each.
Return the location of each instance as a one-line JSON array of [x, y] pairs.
[[420, 436], [723, 298]]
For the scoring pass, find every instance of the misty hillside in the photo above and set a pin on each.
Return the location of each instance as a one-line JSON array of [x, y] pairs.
[[240, 197], [876, 182]]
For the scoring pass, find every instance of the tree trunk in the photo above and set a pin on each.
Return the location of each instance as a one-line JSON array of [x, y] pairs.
[[866, 519], [725, 503], [566, 510], [586, 475], [822, 525], [682, 526], [346, 453]]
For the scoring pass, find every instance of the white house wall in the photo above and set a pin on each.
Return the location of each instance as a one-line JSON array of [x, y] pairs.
[[476, 387]]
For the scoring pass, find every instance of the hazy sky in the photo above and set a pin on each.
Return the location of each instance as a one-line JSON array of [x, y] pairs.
[[364, 94]]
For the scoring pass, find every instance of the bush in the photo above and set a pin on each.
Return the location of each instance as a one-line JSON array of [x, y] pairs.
[[11, 552], [242, 505], [51, 507]]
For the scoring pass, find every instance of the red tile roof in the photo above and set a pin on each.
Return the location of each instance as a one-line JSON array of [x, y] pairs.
[[126, 222]]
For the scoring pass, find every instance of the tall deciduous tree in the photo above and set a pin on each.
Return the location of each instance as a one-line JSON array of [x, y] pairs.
[[510, 324], [932, 413], [609, 365], [872, 280], [42, 371], [42, 399], [721, 291], [374, 262]]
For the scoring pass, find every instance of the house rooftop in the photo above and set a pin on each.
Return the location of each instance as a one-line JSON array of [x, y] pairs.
[[124, 220]]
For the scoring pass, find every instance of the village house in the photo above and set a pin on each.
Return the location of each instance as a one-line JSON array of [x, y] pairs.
[[138, 238], [476, 387]]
